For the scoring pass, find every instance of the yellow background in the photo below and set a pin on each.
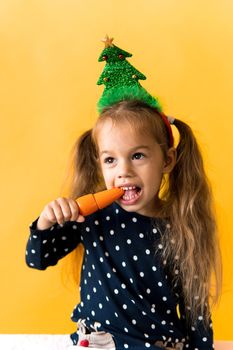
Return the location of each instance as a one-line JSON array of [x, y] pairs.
[[48, 94]]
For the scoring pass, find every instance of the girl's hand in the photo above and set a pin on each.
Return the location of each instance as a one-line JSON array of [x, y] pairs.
[[59, 211]]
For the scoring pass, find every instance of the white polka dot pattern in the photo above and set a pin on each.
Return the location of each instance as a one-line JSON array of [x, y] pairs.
[[124, 284]]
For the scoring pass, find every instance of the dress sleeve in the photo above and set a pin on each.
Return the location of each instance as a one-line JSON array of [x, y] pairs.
[[46, 247], [200, 334]]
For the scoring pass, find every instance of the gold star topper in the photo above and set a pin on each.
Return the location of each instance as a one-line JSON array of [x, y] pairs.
[[108, 41]]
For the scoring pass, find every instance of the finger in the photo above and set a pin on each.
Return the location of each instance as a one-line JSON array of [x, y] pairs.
[[65, 208], [49, 214], [74, 209], [58, 212]]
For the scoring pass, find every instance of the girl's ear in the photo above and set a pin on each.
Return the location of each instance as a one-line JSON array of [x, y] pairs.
[[170, 160]]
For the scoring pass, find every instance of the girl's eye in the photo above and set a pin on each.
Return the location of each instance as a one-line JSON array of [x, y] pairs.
[[108, 160], [138, 155]]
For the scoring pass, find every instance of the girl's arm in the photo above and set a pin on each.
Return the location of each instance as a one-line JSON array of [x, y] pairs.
[[54, 234], [46, 247]]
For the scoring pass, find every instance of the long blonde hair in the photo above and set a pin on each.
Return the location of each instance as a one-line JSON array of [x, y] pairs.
[[190, 247]]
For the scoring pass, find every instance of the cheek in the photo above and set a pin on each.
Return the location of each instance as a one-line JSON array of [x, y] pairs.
[[107, 175], [154, 174]]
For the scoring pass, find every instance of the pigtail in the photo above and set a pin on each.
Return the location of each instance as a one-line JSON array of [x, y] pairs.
[[191, 246], [86, 174], [83, 177]]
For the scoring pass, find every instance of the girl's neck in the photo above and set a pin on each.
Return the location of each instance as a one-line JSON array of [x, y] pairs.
[[158, 211]]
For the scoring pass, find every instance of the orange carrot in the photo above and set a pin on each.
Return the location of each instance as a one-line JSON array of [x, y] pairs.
[[90, 203]]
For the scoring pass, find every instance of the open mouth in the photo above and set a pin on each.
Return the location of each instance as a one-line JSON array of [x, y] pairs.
[[131, 195]]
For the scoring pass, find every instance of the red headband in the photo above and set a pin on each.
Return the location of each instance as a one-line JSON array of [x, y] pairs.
[[168, 127]]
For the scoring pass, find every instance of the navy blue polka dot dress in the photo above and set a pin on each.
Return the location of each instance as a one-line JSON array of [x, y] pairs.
[[124, 284]]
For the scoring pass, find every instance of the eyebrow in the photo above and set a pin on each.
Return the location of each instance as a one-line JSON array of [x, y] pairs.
[[132, 149]]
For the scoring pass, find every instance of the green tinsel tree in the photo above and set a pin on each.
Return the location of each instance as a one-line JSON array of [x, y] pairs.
[[120, 78]]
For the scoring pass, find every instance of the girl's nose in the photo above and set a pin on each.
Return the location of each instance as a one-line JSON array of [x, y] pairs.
[[124, 170]]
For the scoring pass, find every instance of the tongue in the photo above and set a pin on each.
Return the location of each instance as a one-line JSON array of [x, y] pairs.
[[129, 194]]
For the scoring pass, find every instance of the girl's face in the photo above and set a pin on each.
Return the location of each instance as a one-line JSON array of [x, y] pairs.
[[133, 161]]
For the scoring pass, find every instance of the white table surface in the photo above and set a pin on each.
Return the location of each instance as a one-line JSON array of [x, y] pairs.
[[59, 342], [35, 342]]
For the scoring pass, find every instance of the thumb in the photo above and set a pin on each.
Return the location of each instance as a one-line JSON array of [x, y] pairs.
[[80, 218]]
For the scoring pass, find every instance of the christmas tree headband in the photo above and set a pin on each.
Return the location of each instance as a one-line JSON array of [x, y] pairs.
[[121, 82]]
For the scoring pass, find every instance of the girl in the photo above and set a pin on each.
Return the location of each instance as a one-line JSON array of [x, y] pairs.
[[148, 257]]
